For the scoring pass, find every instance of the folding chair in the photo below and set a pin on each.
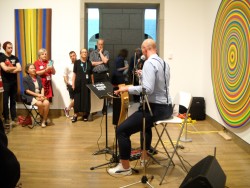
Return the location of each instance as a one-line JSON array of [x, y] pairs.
[[184, 99], [33, 112]]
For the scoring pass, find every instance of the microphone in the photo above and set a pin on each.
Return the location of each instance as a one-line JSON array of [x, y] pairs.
[[140, 62], [142, 58]]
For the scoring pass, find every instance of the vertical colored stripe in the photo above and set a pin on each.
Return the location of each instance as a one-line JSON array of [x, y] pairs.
[[44, 29], [18, 40], [32, 32], [18, 45]]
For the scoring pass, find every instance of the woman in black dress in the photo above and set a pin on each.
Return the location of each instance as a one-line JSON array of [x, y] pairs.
[[82, 75]]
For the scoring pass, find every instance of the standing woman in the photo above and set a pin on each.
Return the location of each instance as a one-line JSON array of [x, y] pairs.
[[82, 75], [45, 70], [34, 92]]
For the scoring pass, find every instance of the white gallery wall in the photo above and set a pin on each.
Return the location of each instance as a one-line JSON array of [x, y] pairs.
[[188, 29], [64, 38]]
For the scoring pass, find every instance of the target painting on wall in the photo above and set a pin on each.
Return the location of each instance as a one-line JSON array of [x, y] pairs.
[[230, 62]]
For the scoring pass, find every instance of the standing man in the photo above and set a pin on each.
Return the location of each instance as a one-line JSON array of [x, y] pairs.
[[155, 80], [99, 59], [68, 74], [10, 66]]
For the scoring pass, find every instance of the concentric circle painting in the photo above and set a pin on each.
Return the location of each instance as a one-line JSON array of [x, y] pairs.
[[230, 62]]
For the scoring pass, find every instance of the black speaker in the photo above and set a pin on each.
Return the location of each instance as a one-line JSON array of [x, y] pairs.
[[197, 110], [207, 173]]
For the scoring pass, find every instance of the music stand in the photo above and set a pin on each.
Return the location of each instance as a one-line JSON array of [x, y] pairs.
[[101, 90]]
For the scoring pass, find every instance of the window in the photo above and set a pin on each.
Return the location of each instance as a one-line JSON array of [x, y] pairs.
[[93, 27], [150, 23]]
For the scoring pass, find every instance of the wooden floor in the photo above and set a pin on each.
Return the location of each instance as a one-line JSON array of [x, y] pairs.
[[60, 155]]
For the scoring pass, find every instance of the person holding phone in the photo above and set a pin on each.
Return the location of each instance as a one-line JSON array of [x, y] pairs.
[[45, 69]]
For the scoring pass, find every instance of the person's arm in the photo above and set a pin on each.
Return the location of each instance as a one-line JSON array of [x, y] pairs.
[[65, 76], [18, 68], [73, 80], [125, 72], [53, 70], [92, 57], [34, 94], [41, 72], [50, 69], [103, 57], [42, 91], [27, 88], [66, 80], [148, 79], [134, 90], [7, 68], [122, 89], [92, 79]]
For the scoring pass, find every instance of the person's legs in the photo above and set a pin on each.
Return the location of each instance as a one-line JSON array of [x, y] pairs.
[[77, 105], [46, 106], [131, 125], [39, 105], [6, 102], [71, 104], [1, 104], [13, 94], [43, 108]]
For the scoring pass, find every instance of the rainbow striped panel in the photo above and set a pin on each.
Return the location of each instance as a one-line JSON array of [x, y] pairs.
[[32, 32], [230, 62]]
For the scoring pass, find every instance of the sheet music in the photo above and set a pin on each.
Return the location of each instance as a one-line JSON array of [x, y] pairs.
[[101, 89]]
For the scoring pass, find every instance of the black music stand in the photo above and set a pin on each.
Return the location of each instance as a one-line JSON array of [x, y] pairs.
[[101, 90]]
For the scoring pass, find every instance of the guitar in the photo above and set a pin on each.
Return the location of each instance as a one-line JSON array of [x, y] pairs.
[[124, 105]]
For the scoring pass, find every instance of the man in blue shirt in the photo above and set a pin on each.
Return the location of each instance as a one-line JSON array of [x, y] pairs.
[[155, 77]]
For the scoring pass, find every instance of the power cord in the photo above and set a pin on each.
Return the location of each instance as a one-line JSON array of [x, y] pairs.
[[100, 134]]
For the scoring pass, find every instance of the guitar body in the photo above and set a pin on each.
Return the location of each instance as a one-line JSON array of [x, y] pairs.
[[120, 107]]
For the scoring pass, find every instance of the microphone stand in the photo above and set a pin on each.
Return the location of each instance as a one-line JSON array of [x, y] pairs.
[[144, 179], [134, 69]]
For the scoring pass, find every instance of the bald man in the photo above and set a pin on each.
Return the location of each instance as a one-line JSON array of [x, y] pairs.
[[154, 77]]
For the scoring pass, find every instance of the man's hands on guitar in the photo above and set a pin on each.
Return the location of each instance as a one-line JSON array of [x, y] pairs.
[[121, 89]]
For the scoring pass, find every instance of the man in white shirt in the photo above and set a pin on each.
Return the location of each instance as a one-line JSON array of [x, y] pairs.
[[68, 73]]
